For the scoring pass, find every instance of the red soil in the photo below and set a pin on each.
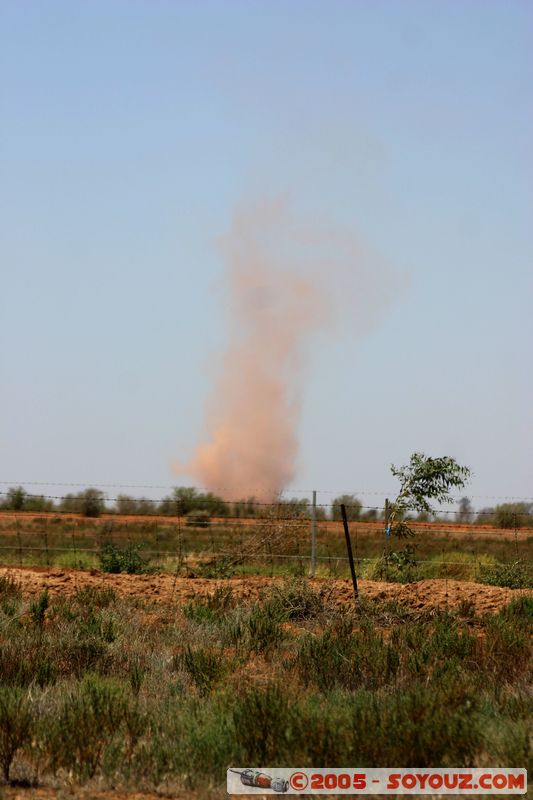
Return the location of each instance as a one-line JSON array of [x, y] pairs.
[[167, 589]]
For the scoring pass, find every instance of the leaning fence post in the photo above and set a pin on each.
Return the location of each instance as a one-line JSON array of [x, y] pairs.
[[349, 548], [313, 535]]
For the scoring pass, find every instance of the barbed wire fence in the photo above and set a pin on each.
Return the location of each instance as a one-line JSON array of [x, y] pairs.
[[252, 537], [246, 490]]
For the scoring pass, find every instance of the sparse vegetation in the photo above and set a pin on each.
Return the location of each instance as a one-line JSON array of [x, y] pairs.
[[516, 575], [115, 559], [15, 724], [277, 542], [97, 690], [105, 689], [38, 608], [205, 667]]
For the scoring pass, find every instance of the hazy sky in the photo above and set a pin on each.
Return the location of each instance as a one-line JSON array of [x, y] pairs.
[[130, 132]]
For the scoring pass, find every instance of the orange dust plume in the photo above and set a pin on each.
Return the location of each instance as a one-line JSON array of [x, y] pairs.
[[279, 276]]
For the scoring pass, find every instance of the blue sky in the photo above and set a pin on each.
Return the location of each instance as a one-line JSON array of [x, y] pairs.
[[129, 133]]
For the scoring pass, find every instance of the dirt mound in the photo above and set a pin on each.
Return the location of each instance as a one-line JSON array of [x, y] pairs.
[[167, 589]]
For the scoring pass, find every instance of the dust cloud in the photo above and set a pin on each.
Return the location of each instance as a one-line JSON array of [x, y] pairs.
[[286, 280]]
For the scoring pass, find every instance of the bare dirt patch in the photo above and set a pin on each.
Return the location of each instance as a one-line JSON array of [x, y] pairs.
[[425, 595]]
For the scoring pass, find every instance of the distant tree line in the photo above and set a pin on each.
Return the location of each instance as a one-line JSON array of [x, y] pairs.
[[186, 500], [507, 515]]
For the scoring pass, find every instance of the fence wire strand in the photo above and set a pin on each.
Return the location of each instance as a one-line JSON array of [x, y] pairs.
[[64, 540]]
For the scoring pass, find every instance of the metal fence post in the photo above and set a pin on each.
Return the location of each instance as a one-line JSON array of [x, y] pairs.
[[349, 548], [313, 535], [19, 540]]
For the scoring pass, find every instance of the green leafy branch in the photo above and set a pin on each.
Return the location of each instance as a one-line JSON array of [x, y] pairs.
[[423, 480]]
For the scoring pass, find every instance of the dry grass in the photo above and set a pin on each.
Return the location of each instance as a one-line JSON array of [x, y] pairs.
[[110, 690]]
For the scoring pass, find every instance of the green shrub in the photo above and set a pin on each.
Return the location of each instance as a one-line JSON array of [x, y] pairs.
[[10, 599], [198, 519], [16, 720], [89, 717], [340, 658], [449, 638], [192, 738], [387, 613], [136, 674], [213, 608], [520, 607], [263, 629], [510, 740], [324, 734], [266, 725], [26, 659], [10, 588], [408, 726], [38, 608], [98, 626], [115, 559], [81, 653], [507, 647], [400, 566], [206, 668], [216, 568], [430, 650], [100, 597], [516, 575], [255, 629], [75, 640]]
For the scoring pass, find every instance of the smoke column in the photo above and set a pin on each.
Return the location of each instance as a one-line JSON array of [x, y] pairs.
[[284, 281]]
